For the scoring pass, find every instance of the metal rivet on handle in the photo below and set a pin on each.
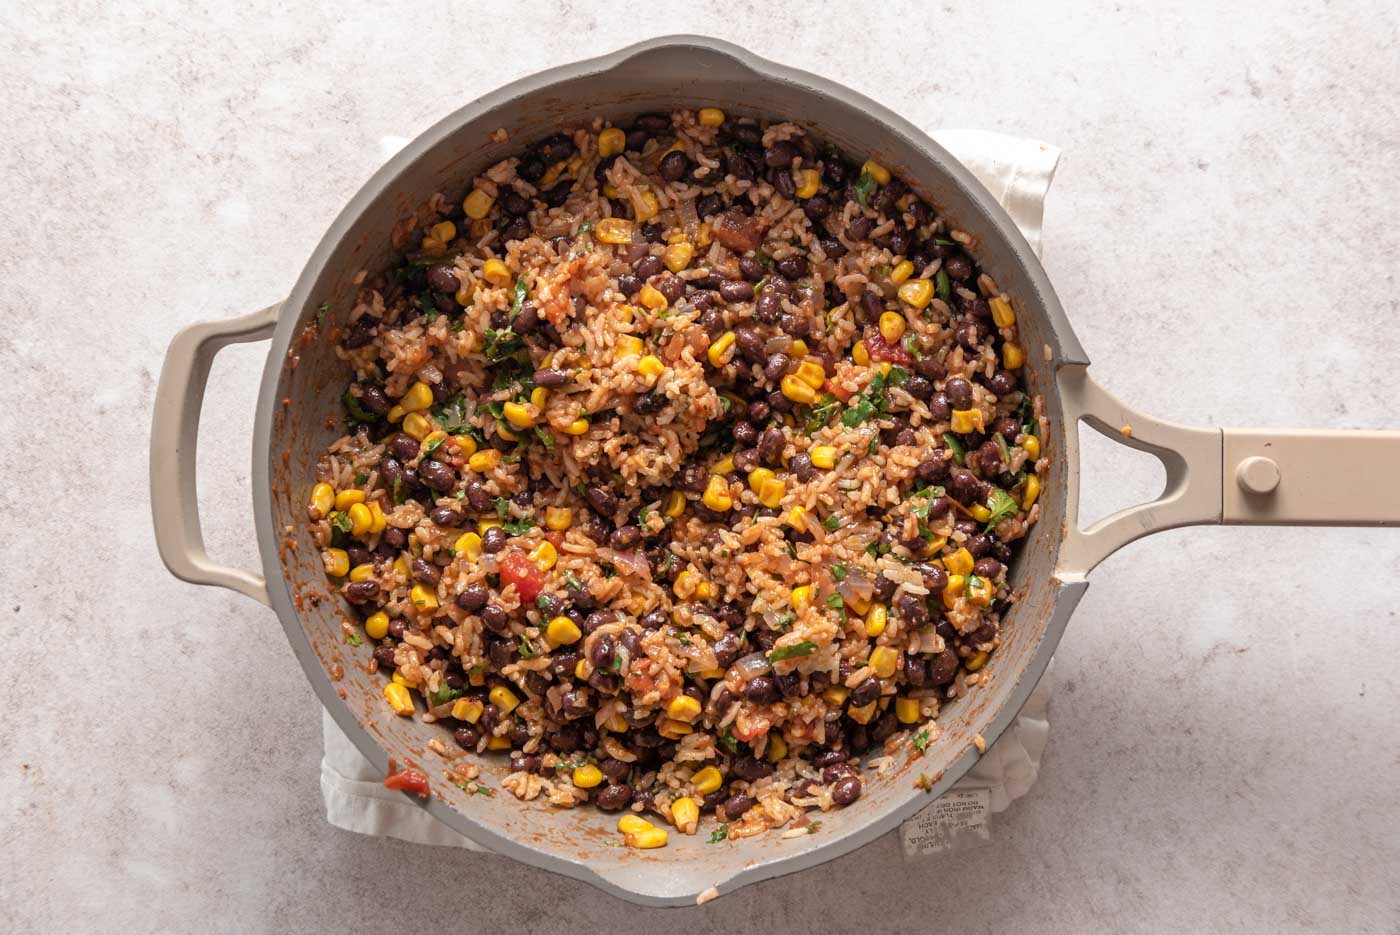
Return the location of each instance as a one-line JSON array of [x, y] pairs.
[[1258, 475]]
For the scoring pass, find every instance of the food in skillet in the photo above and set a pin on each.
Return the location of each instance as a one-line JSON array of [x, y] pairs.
[[683, 466]]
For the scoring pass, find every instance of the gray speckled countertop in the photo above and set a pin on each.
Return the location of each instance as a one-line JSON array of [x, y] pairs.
[[1224, 231]]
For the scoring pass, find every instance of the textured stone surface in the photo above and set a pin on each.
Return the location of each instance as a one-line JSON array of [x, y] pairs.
[[1224, 231]]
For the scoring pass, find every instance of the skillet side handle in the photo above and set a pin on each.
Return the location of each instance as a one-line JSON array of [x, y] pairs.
[[174, 434], [1192, 458], [1283, 477]]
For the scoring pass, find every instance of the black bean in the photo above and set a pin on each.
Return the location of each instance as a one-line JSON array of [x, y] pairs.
[[602, 500], [943, 667], [911, 609], [734, 807], [817, 207], [629, 284], [866, 692], [846, 791], [986, 568], [550, 377], [939, 407], [625, 537], [384, 654], [494, 539], [739, 166], [832, 247], [969, 335], [793, 267], [613, 798], [556, 196], [358, 592], [648, 266], [934, 578], [750, 769], [404, 447], [859, 228], [709, 205], [824, 758], [919, 387], [958, 267], [712, 322], [674, 166], [769, 307], [784, 183], [964, 485], [745, 433], [373, 399], [781, 153], [601, 650], [900, 239], [988, 458], [778, 402], [361, 332], [357, 555], [494, 617], [478, 497], [1002, 383], [762, 690], [425, 571], [959, 393], [972, 305], [796, 325], [801, 465], [727, 649], [649, 404], [749, 343], [736, 290], [751, 269], [467, 737], [437, 475], [671, 286], [776, 366], [398, 627], [771, 444]]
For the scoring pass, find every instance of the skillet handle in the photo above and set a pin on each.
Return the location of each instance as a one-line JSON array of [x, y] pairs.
[[1239, 477], [174, 433], [1192, 458]]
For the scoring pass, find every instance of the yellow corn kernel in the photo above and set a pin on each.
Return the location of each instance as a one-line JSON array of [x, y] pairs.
[[538, 397], [683, 708], [545, 555], [361, 519], [797, 519], [650, 367], [777, 748], [476, 677], [716, 495], [348, 498], [432, 246], [859, 354], [876, 171], [967, 420], [685, 584], [647, 838], [484, 460], [704, 591], [757, 476], [772, 493], [884, 660], [1002, 313], [378, 521], [416, 427], [468, 544], [801, 598], [396, 413], [808, 181], [583, 669], [649, 206], [613, 230], [468, 709], [1031, 446], [980, 591], [798, 390], [464, 296], [811, 373], [576, 427], [505, 433], [892, 327], [497, 743], [902, 271], [917, 292], [337, 562], [587, 776], [979, 513], [721, 350], [322, 499], [1032, 491], [823, 456], [399, 699], [477, 204], [711, 116], [496, 272], [907, 710], [959, 563], [444, 231], [423, 597], [953, 590], [862, 714], [976, 662], [714, 673], [632, 823], [610, 190], [486, 524], [678, 256], [399, 679], [519, 415], [674, 505], [706, 780], [800, 349], [837, 695], [652, 298], [1012, 357], [875, 619], [377, 625], [401, 566], [558, 518], [685, 811], [673, 729], [503, 698], [628, 345], [724, 465], [611, 142], [361, 572], [884, 367], [562, 632]]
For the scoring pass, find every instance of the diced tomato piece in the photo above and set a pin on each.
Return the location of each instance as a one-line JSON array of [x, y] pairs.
[[517, 569], [407, 780], [840, 392], [879, 349]]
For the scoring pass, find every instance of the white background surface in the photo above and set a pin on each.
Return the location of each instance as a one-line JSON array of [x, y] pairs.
[[1224, 231]]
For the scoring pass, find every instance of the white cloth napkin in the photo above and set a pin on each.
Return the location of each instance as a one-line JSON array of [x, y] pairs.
[[1018, 172]]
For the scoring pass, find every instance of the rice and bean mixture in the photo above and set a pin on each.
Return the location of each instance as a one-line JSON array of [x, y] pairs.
[[683, 465]]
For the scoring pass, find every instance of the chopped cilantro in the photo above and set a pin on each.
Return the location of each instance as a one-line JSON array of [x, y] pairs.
[[518, 527], [784, 620], [921, 740], [864, 186], [814, 827], [821, 412], [930, 494], [500, 343], [804, 648], [475, 788], [728, 740], [321, 312], [443, 694], [616, 664], [433, 445], [951, 440], [357, 412], [838, 571], [353, 639], [838, 604], [361, 477], [522, 292], [831, 523], [341, 522], [941, 285], [458, 326], [527, 649], [502, 506], [719, 834], [1002, 505], [454, 416]]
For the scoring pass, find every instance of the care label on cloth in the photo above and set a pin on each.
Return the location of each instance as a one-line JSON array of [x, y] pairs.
[[957, 821]]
